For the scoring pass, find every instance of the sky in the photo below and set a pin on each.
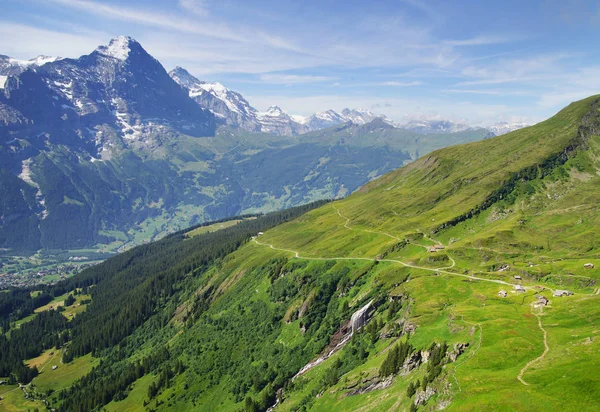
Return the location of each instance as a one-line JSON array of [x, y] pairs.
[[465, 60]]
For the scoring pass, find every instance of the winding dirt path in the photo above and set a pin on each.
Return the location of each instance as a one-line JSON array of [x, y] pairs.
[[546, 347], [439, 271], [408, 265]]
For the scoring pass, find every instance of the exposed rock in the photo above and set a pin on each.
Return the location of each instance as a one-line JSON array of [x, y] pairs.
[[374, 384], [412, 362], [409, 327], [421, 397], [459, 348]]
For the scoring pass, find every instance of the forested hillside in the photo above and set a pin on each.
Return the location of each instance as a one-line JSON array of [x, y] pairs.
[[466, 280]]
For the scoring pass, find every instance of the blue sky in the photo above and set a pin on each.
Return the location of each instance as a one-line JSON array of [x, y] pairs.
[[474, 60]]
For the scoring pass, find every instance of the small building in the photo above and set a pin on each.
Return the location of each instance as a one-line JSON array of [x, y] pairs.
[[55, 367], [542, 300], [503, 268], [435, 248], [502, 294], [519, 288], [559, 293], [517, 277], [260, 233], [589, 266]]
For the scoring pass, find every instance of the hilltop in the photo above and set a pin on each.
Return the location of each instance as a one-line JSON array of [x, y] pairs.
[[469, 277]]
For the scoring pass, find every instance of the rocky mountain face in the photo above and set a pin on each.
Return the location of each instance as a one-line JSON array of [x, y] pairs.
[[276, 121], [62, 120], [11, 67], [228, 106]]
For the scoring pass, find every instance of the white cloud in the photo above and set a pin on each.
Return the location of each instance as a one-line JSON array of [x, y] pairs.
[[194, 6], [524, 70], [293, 78], [25, 42], [481, 41], [401, 84], [489, 92], [156, 19]]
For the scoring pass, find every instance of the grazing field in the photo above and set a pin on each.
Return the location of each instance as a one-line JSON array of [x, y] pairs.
[[65, 374], [214, 227]]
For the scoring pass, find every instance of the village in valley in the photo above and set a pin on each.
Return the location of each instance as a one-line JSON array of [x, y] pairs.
[[18, 272]]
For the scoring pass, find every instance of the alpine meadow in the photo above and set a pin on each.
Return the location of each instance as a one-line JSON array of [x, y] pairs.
[[167, 246]]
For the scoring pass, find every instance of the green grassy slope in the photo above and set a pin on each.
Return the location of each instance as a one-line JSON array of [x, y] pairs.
[[521, 205], [542, 226]]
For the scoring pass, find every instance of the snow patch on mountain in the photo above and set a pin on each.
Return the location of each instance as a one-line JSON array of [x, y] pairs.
[[501, 128], [299, 119], [11, 67], [2, 81], [273, 111], [36, 61], [435, 126], [227, 105], [26, 176], [118, 48]]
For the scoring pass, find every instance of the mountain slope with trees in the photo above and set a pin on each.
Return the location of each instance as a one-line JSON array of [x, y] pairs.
[[473, 269]]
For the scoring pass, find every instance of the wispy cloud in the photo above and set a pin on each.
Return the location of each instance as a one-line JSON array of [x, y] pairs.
[[482, 40], [401, 84], [293, 78], [490, 92], [197, 7], [524, 70], [24, 41], [207, 28]]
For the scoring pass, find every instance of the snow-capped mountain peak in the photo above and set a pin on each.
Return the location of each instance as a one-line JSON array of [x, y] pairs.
[[230, 107], [274, 111], [36, 61], [118, 48], [439, 125], [183, 77], [362, 116], [10, 66], [505, 127]]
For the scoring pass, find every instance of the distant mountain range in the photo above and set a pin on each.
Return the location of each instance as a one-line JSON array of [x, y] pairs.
[[232, 109], [110, 149]]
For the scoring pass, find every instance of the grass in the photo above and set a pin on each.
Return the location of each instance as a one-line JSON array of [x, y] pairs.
[[48, 379], [545, 236], [212, 228], [544, 230], [135, 399], [14, 400], [66, 374]]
